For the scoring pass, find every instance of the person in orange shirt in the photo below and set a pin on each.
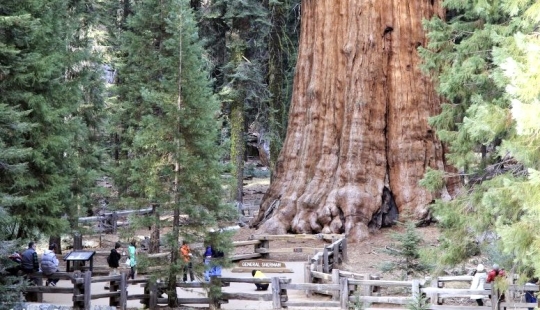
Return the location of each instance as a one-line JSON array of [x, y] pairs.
[[185, 251]]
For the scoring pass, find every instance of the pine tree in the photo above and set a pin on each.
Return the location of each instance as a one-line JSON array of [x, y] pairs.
[[407, 252], [485, 61], [169, 127], [11, 286], [13, 162], [43, 72]]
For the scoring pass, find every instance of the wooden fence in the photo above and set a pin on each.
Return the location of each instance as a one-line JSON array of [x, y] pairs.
[[321, 276], [108, 222], [346, 292], [81, 289], [323, 260], [261, 244]]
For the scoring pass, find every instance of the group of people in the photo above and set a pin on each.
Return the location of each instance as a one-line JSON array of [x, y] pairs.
[[27, 262], [481, 277], [213, 269], [115, 256]]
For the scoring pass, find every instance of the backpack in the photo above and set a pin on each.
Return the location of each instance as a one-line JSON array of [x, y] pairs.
[[109, 259]]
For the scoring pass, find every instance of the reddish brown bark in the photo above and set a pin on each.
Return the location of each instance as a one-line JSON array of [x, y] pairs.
[[358, 140]]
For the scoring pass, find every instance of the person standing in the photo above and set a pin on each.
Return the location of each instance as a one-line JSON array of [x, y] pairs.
[[132, 252], [185, 251], [113, 260], [208, 272], [217, 255], [494, 273], [29, 261], [530, 296], [478, 282], [49, 264], [492, 277]]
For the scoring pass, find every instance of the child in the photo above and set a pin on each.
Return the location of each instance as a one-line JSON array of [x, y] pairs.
[[257, 274]]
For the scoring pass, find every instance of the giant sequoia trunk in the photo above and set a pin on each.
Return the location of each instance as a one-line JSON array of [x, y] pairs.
[[358, 140]]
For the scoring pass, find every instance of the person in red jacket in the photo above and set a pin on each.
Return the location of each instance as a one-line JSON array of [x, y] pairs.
[[492, 277], [495, 272]]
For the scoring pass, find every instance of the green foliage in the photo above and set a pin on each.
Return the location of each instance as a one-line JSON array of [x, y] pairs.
[[433, 180], [50, 84], [407, 253], [485, 60], [420, 302], [251, 171], [11, 287], [168, 126]]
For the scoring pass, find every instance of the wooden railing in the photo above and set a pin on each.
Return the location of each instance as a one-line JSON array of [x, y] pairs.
[[108, 221], [81, 289], [261, 246], [346, 292]]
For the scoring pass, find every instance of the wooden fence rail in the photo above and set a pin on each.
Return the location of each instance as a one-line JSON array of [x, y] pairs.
[[345, 292]]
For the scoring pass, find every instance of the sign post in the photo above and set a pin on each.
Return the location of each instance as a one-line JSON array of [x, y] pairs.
[[79, 256], [264, 265]]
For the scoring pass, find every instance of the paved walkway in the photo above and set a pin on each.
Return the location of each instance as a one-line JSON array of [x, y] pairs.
[[297, 277]]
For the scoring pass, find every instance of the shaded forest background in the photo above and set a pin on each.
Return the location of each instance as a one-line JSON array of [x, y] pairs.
[[129, 104]]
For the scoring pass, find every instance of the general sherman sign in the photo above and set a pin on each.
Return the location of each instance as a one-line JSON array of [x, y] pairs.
[[261, 264]]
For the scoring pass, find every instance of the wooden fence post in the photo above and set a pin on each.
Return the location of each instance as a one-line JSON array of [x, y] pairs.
[[495, 298], [435, 296], [276, 293], [344, 293], [77, 290], [335, 280], [344, 250], [154, 294], [367, 289], [336, 259], [77, 246], [114, 222], [265, 244], [307, 277], [415, 290], [87, 289], [123, 291], [325, 261], [113, 287]]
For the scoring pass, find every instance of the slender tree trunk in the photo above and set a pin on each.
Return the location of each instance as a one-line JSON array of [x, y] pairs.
[[237, 147], [171, 287], [276, 77], [153, 247], [358, 140], [58, 241]]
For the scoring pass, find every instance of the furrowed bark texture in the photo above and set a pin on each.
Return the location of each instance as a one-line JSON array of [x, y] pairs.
[[358, 140]]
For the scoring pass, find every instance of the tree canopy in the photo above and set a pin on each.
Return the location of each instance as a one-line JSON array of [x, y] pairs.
[[186, 72], [49, 83], [485, 60]]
